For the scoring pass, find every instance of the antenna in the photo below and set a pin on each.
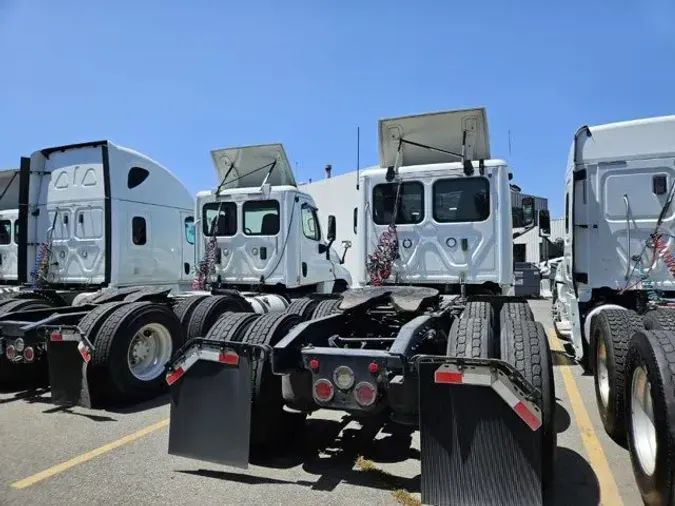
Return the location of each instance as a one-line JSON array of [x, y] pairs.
[[358, 153]]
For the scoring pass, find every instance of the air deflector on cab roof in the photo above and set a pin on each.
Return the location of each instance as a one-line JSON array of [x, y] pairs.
[[443, 131], [248, 166], [9, 189]]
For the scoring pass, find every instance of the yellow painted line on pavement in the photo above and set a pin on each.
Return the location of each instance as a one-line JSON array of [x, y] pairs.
[[609, 491], [80, 459]]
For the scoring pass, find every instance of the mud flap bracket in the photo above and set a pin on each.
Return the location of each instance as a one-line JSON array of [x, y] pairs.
[[480, 432]]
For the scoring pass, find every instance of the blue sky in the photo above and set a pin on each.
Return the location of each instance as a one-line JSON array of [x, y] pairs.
[[176, 79]]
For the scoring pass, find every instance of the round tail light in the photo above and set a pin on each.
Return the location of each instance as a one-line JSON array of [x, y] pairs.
[[323, 390], [343, 377], [365, 393], [29, 354], [10, 352]]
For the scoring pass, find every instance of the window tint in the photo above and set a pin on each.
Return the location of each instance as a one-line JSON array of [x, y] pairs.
[[138, 231], [5, 231], [461, 199], [219, 218], [261, 217], [136, 176], [190, 229], [16, 232], [310, 223], [410, 204]]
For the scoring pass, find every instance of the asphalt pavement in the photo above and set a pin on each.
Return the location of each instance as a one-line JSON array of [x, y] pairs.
[[53, 456]]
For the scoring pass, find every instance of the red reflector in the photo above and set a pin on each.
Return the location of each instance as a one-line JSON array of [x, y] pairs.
[[84, 352], [314, 364], [174, 375], [365, 393], [373, 367], [10, 352], [527, 416], [228, 357], [56, 336], [448, 377], [323, 390], [28, 354]]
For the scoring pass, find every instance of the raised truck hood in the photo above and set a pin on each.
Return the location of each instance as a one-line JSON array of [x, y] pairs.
[[442, 130], [248, 166]]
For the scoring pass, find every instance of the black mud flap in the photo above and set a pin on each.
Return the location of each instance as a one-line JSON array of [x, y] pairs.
[[475, 449], [211, 413], [68, 375]]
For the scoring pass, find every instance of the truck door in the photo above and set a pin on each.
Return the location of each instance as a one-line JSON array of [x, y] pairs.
[[188, 242], [314, 266], [7, 251]]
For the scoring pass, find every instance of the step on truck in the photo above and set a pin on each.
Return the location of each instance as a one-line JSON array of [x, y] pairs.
[[432, 339], [614, 305]]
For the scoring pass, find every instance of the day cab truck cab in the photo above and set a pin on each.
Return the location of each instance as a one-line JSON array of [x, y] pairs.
[[615, 303], [430, 341], [9, 225]]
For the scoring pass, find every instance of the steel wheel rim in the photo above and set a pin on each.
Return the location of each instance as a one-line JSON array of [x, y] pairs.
[[642, 417], [602, 373], [149, 350]]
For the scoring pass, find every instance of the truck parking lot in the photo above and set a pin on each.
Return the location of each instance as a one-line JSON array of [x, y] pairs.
[[55, 456]]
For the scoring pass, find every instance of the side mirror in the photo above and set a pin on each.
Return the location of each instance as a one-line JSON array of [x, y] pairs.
[[544, 223], [330, 235], [528, 211]]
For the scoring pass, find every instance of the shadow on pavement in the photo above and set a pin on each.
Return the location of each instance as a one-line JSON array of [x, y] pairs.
[[575, 481], [562, 418], [69, 411]]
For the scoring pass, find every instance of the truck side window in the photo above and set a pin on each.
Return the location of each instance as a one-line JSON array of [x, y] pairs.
[[220, 219], [5, 232], [136, 176], [190, 229], [310, 223], [410, 203], [138, 231], [261, 217], [16, 232]]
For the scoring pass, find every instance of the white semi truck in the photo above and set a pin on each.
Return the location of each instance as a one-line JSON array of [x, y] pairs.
[[9, 215], [615, 302], [106, 265], [431, 341]]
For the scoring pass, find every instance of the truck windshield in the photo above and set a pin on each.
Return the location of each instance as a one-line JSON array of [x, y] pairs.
[[410, 205], [461, 199], [219, 218]]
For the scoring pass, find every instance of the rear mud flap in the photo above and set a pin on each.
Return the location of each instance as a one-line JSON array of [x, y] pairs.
[[211, 413], [475, 449], [68, 375]]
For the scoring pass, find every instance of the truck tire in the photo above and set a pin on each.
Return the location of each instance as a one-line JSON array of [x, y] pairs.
[[471, 338], [659, 319], [23, 305], [118, 337], [479, 309], [524, 345], [93, 320], [207, 313], [303, 307], [516, 311], [231, 326], [326, 308], [270, 423], [611, 331], [184, 309], [650, 378]]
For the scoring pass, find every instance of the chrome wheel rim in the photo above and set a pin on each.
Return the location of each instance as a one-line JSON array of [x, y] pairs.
[[602, 373], [642, 415], [149, 350]]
